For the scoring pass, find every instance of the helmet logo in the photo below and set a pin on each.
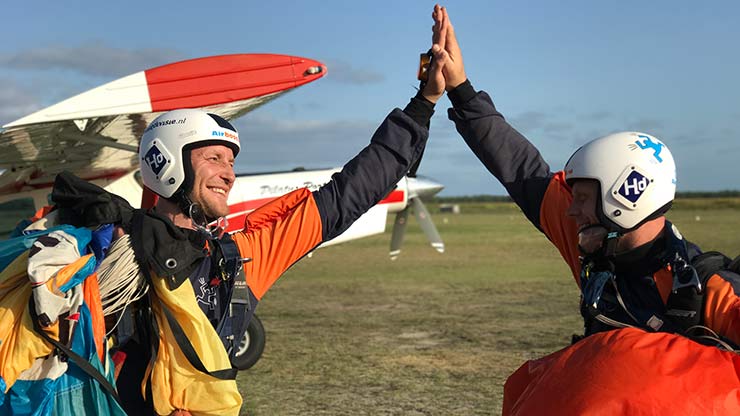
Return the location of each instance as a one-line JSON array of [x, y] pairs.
[[160, 123], [155, 159], [633, 187], [225, 134], [649, 144]]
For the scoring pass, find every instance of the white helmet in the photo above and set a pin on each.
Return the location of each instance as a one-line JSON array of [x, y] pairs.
[[636, 175], [163, 167]]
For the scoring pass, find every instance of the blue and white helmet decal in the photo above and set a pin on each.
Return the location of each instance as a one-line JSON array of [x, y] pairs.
[[157, 159], [631, 186], [650, 143]]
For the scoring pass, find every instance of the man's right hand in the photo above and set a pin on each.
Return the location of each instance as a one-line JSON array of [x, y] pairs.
[[444, 35], [436, 83]]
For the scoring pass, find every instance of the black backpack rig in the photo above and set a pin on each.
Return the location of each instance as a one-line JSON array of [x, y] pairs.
[[692, 270]]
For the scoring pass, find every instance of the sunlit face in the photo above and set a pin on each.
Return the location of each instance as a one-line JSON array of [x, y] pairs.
[[213, 168], [583, 211]]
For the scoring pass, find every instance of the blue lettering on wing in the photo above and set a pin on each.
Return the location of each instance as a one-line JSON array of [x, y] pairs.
[[633, 186], [648, 143]]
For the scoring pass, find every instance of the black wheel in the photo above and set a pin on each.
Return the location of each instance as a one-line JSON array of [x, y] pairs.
[[250, 347]]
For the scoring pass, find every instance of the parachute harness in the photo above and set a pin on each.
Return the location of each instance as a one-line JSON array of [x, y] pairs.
[[683, 307]]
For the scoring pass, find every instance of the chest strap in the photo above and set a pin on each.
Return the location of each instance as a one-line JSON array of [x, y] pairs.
[[684, 303]]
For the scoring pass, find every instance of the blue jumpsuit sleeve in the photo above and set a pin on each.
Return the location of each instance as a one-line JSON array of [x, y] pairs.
[[375, 171], [505, 152]]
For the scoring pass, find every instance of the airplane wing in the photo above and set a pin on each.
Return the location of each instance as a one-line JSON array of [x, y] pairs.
[[96, 134]]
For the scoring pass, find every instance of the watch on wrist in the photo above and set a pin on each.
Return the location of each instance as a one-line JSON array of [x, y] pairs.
[[425, 62]]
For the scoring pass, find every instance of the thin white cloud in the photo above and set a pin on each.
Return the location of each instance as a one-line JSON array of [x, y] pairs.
[[346, 73], [15, 102], [272, 144], [595, 116], [647, 125], [558, 127], [529, 120], [94, 58]]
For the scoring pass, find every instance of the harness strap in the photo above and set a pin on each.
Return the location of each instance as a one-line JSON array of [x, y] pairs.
[[734, 265], [233, 321], [684, 303], [189, 351], [148, 324], [80, 361], [185, 346]]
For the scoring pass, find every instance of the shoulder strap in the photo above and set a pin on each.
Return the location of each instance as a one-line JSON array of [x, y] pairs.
[[186, 346], [81, 362], [189, 351], [684, 303], [709, 263], [734, 265]]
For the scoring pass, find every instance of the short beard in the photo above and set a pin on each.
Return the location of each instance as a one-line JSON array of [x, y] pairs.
[[211, 214]]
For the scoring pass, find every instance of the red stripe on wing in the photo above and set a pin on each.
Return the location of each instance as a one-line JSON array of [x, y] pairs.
[[226, 78]]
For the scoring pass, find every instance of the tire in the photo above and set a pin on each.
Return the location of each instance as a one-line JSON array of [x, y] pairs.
[[250, 347]]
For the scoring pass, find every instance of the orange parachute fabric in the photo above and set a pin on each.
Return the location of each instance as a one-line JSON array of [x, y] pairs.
[[627, 372]]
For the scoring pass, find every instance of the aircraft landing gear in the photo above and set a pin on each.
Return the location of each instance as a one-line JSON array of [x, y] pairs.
[[250, 347]]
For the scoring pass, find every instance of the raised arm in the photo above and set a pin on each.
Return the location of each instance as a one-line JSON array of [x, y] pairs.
[[507, 154], [393, 149], [280, 233]]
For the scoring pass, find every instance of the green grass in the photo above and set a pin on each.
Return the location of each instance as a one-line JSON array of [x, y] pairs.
[[350, 332]]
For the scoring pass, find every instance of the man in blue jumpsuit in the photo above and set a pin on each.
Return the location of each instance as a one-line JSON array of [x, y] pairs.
[[604, 212]]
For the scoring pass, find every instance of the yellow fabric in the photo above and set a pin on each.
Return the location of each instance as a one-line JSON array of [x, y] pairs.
[[275, 236], [175, 383], [20, 346]]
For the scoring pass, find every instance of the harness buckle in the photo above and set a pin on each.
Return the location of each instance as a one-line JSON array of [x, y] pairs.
[[684, 275]]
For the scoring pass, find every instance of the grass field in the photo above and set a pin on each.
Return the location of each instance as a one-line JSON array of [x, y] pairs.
[[350, 332]]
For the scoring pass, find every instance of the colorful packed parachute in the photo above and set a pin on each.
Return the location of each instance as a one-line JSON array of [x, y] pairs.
[[627, 372], [34, 380]]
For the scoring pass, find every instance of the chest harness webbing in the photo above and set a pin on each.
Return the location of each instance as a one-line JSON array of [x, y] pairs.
[[234, 314], [603, 306]]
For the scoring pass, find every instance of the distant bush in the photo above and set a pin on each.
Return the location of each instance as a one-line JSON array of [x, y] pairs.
[[506, 198], [683, 201], [473, 198], [715, 194]]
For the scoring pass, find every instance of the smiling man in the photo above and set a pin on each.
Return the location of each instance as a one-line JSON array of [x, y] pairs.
[[213, 169], [193, 168], [604, 212], [180, 356]]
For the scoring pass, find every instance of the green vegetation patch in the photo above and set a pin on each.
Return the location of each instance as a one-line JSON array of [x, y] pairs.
[[351, 332]]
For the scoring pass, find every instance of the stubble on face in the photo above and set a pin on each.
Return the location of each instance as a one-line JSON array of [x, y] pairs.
[[213, 171]]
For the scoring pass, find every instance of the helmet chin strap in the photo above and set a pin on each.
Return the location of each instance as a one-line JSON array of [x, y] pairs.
[[610, 243], [604, 257], [198, 217], [191, 209]]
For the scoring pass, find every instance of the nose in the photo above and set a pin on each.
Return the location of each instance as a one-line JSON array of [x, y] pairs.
[[228, 175], [573, 210]]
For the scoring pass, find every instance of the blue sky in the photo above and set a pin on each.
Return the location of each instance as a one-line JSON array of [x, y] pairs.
[[561, 72]]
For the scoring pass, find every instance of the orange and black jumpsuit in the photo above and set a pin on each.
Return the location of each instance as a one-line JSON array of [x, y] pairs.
[[644, 278], [278, 234], [274, 237]]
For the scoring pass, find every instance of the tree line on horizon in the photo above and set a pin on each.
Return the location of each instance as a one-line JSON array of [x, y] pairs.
[[506, 198]]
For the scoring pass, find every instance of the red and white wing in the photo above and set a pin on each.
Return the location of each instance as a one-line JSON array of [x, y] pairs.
[[96, 134]]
